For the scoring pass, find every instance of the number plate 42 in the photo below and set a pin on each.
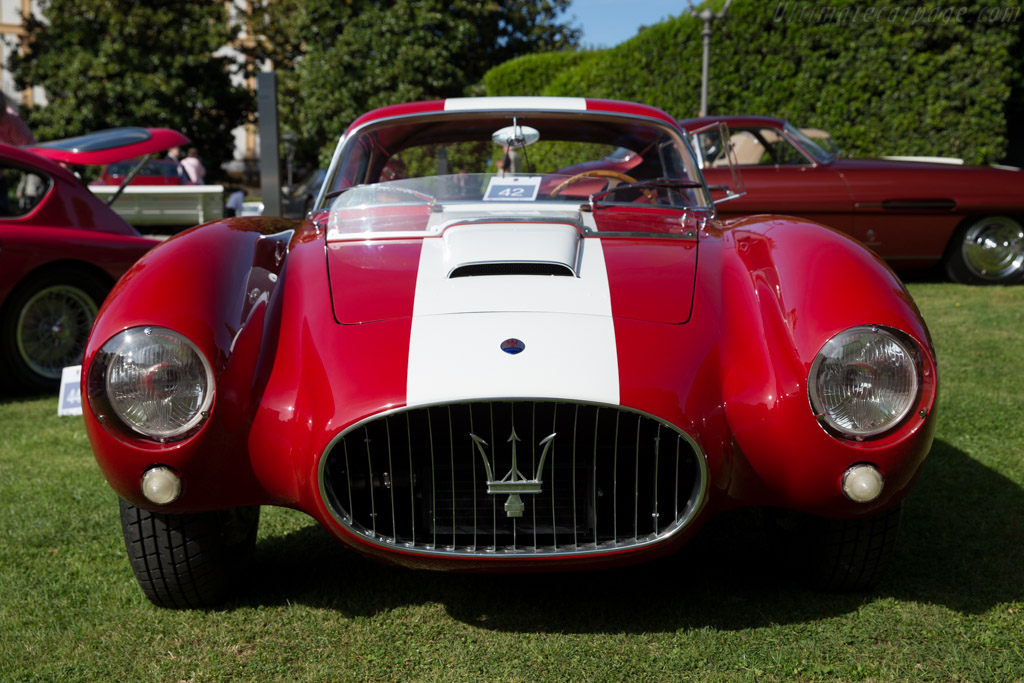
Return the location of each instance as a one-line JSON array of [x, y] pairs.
[[512, 189]]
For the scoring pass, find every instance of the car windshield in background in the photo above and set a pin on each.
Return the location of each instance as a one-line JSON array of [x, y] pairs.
[[503, 157], [810, 146], [156, 168]]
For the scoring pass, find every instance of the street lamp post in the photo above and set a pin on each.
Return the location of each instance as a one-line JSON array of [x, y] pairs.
[[708, 17]]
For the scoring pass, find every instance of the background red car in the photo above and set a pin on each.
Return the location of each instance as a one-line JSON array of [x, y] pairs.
[[913, 214], [61, 250], [153, 172]]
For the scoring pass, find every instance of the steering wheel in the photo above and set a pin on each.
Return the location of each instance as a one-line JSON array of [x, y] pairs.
[[596, 173]]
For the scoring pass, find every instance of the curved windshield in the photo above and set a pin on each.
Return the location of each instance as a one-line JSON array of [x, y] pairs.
[[405, 208], [516, 157], [809, 145]]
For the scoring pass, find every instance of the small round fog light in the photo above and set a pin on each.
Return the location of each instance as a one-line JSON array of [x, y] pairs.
[[161, 485], [863, 483]]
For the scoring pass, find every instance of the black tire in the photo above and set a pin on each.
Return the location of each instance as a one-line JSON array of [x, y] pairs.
[[45, 325], [986, 251], [192, 560], [838, 555]]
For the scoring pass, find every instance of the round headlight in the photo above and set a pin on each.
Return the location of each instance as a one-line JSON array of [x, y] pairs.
[[157, 382], [864, 381]]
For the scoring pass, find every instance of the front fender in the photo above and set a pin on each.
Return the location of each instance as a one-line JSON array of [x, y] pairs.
[[212, 284], [789, 286]]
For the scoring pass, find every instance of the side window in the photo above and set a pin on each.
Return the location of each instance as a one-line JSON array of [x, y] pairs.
[[780, 152], [21, 190], [762, 147], [749, 149], [709, 147]]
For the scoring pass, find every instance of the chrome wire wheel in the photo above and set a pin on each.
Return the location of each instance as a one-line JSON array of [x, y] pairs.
[[993, 249], [52, 328]]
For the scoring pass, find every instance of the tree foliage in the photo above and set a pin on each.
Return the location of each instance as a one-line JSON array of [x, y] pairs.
[[109, 63], [336, 60], [937, 77]]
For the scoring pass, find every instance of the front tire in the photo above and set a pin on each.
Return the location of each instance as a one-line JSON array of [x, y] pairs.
[[190, 560], [987, 251], [839, 555]]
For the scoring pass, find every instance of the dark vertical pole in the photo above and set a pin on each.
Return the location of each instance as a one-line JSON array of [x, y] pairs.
[[706, 16], [270, 154]]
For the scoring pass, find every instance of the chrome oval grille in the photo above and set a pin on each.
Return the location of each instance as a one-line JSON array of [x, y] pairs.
[[513, 477]]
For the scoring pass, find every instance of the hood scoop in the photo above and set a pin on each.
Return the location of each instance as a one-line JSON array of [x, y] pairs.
[[481, 250], [511, 268]]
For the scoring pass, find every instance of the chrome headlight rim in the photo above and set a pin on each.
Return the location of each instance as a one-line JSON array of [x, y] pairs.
[[910, 348], [105, 410]]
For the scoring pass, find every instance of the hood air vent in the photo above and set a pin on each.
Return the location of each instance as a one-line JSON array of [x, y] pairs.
[[511, 268]]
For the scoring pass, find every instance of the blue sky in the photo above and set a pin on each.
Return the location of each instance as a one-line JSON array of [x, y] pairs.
[[607, 23]]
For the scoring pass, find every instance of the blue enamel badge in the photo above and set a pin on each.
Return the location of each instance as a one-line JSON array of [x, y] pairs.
[[512, 346]]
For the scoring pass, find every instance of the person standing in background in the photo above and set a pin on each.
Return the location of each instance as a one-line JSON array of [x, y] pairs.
[[194, 167], [13, 130], [174, 154], [236, 199]]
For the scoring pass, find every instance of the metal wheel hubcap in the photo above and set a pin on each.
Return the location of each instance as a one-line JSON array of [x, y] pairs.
[[993, 248], [52, 329]]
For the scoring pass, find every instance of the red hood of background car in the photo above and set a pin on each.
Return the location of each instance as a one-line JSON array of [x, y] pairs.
[[110, 146], [907, 166]]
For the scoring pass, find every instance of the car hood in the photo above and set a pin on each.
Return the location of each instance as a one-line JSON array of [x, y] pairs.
[[518, 263]]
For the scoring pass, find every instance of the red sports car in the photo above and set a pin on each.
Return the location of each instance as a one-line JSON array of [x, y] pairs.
[[468, 359], [61, 250], [910, 213]]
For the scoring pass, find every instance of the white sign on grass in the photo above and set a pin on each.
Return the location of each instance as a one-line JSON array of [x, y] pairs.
[[70, 400]]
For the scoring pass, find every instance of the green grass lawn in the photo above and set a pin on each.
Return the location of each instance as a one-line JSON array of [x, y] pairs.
[[950, 608]]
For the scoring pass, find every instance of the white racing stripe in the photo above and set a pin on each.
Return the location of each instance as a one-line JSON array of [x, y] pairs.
[[459, 324], [515, 104]]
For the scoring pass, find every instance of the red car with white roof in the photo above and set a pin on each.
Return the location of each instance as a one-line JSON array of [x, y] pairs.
[[467, 358]]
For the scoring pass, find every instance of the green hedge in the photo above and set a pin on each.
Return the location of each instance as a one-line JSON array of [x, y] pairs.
[[935, 78]]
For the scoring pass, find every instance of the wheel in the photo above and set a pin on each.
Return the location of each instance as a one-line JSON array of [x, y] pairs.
[[192, 560], [838, 555], [45, 325], [988, 250]]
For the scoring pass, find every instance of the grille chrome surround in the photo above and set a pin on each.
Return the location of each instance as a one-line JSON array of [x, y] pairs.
[[413, 479]]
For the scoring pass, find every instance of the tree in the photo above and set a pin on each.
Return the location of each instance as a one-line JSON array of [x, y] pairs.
[[336, 60], [941, 78], [109, 63]]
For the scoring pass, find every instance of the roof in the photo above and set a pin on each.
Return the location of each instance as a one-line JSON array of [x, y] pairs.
[[733, 121], [513, 104]]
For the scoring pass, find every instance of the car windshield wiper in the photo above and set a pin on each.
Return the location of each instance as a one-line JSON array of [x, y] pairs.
[[646, 186]]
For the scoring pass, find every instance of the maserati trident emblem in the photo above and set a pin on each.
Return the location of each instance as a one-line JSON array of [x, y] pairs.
[[514, 483]]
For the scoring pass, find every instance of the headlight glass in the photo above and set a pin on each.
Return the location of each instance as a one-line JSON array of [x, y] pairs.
[[864, 381], [157, 382]]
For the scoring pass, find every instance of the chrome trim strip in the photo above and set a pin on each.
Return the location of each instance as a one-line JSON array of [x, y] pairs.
[[494, 550]]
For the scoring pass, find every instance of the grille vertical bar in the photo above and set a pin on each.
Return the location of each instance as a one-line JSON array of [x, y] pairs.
[[581, 500]]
